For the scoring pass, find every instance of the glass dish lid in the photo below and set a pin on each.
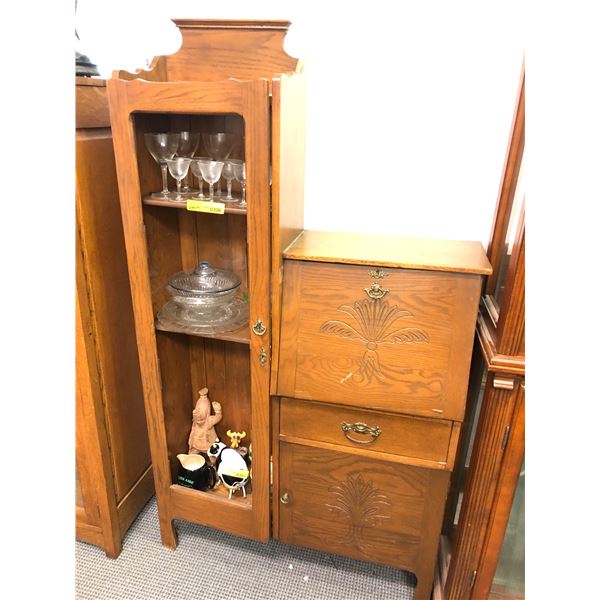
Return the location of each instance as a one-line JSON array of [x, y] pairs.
[[204, 279]]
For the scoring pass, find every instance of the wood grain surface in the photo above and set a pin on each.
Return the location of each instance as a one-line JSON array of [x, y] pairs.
[[407, 352], [364, 508], [390, 251], [427, 439], [160, 242]]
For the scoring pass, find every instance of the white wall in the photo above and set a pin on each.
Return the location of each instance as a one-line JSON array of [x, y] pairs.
[[409, 110]]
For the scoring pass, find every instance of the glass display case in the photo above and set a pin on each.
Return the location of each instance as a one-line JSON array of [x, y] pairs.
[[482, 550]]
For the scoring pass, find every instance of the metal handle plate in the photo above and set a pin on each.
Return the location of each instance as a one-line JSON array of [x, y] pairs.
[[285, 498], [259, 328], [362, 429], [376, 291]]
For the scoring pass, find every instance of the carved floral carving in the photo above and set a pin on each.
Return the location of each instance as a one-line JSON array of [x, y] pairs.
[[373, 322], [362, 505]]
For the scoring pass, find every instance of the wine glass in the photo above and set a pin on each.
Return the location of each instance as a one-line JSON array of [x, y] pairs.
[[228, 174], [178, 167], [162, 147], [219, 146], [188, 144], [211, 173], [239, 170], [195, 169]]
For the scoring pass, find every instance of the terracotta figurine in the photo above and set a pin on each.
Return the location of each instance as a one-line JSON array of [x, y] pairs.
[[203, 434]]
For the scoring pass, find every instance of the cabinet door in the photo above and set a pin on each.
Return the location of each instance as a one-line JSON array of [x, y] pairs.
[[361, 507], [398, 340], [162, 238]]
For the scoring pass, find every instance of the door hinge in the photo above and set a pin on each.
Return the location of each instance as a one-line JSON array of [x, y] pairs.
[[505, 438], [473, 578]]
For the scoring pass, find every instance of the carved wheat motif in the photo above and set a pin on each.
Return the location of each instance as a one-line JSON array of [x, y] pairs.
[[373, 322], [361, 504]]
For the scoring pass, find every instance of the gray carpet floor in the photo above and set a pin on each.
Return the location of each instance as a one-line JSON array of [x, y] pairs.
[[212, 565]]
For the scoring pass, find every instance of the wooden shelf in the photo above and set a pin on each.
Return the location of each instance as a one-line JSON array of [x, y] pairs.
[[220, 494], [241, 335], [232, 209]]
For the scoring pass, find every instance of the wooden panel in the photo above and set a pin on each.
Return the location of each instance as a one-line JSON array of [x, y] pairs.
[[107, 284], [183, 97], [91, 104], [480, 489], [216, 49], [408, 352], [427, 439], [362, 508], [390, 251], [287, 210], [257, 152], [97, 520]]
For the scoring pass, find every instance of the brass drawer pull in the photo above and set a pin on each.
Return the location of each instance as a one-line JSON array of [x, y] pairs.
[[285, 498], [363, 429], [376, 291]]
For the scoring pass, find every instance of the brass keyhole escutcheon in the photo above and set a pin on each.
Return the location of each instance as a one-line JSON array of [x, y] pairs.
[[285, 498], [263, 357], [377, 273]]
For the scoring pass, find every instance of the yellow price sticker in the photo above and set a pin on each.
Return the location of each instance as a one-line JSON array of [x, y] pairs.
[[240, 473], [215, 208]]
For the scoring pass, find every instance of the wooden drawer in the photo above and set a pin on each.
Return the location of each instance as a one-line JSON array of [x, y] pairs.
[[363, 508], [408, 351], [410, 439]]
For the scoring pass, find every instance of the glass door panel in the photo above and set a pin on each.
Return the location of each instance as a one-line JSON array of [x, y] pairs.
[[509, 580]]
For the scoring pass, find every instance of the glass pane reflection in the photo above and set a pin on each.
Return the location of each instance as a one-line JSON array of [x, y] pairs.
[[511, 232], [509, 580]]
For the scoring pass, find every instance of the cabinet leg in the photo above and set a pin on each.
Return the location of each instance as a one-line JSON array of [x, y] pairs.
[[113, 548], [168, 534], [424, 585]]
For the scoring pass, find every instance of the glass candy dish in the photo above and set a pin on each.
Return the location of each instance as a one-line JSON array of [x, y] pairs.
[[203, 301]]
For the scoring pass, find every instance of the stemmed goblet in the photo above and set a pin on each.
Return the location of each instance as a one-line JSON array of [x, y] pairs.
[[195, 169], [178, 167], [228, 174], [188, 144], [219, 146], [162, 147], [211, 173], [239, 170]]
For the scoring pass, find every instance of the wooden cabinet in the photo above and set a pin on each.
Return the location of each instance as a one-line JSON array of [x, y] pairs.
[[374, 355], [230, 76], [113, 478]]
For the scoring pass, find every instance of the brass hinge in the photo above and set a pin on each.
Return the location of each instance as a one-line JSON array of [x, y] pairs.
[[473, 578], [505, 438]]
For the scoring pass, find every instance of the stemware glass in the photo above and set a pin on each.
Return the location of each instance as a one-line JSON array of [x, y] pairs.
[[211, 173], [239, 169], [162, 147], [188, 144], [228, 174], [195, 169], [178, 167], [219, 146]]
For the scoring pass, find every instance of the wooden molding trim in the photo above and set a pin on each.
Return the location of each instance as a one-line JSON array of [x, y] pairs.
[[247, 24], [497, 363]]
